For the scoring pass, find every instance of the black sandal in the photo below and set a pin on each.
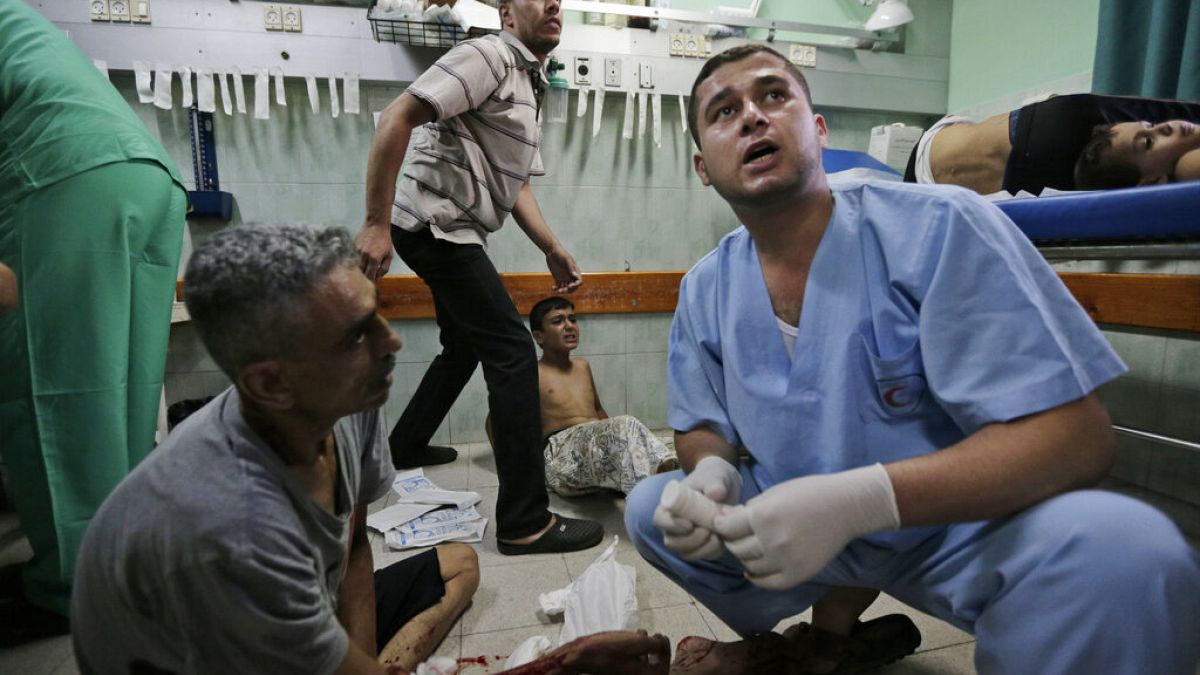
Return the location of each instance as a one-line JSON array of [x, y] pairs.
[[566, 535]]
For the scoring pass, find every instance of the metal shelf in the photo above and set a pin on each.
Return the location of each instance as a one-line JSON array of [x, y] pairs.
[[420, 33]]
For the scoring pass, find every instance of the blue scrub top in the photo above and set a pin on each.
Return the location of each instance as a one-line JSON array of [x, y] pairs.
[[927, 315]]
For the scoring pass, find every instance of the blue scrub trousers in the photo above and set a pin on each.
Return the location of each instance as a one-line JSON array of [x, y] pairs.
[[1084, 583]]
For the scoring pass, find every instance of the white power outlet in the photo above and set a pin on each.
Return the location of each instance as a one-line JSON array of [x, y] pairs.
[[119, 10], [583, 70], [140, 11], [99, 10], [804, 56], [293, 21], [645, 76], [272, 17], [612, 72]]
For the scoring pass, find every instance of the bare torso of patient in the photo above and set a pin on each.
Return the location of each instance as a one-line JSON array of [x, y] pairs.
[[972, 155], [568, 395]]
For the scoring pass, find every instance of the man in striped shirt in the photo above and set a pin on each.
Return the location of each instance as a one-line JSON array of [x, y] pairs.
[[473, 122]]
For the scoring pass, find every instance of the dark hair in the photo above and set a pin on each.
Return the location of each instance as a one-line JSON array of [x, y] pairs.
[[730, 56], [1098, 168], [245, 289], [543, 307]]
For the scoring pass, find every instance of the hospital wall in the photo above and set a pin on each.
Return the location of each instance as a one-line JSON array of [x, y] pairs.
[[1002, 53], [617, 204]]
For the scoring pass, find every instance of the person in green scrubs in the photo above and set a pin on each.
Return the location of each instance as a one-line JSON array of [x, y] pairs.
[[91, 224]]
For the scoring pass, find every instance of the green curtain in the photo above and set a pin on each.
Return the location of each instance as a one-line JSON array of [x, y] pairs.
[[1148, 48]]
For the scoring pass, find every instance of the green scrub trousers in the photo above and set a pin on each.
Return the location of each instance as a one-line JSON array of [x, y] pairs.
[[82, 356]]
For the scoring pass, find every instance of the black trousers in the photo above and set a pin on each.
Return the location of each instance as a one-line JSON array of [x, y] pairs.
[[479, 324]]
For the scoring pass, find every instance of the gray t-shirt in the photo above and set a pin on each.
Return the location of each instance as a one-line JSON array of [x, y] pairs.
[[210, 558]]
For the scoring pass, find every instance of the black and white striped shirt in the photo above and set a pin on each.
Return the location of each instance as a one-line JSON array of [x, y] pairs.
[[465, 169]]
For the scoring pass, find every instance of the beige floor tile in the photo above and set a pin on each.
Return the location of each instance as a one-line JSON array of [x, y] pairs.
[[67, 668], [508, 594], [481, 466], [654, 589], [450, 648], [955, 660], [452, 476], [37, 658], [606, 507], [674, 622], [486, 652]]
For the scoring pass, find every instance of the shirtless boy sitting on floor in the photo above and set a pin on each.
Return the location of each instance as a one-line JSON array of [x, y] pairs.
[[586, 450]]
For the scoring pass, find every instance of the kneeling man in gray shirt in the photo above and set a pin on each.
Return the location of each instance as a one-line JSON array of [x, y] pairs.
[[240, 544]]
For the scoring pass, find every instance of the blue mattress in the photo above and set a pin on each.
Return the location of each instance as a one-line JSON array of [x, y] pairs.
[[1150, 212]]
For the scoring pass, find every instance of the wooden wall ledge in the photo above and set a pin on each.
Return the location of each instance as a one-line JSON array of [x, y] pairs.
[[1138, 300]]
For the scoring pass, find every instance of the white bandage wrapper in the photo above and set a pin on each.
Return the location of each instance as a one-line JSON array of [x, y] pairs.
[[350, 94], [206, 101], [684, 502], [162, 88], [581, 106], [627, 125], [314, 97], [262, 95], [102, 66], [185, 79], [334, 104], [641, 130], [656, 121], [683, 114], [226, 101], [239, 90], [141, 77], [597, 112], [280, 94]]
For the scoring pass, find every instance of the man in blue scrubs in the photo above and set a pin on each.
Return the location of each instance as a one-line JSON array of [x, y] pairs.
[[913, 388]]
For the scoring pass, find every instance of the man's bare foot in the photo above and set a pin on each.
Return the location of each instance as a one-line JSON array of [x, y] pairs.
[[763, 653]]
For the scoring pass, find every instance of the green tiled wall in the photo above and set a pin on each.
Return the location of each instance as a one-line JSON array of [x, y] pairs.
[[616, 204]]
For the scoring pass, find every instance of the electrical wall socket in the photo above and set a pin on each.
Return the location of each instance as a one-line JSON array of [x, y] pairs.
[[98, 10], [293, 21], [272, 17], [140, 11], [804, 56], [687, 44], [645, 76], [583, 70], [119, 10], [612, 72]]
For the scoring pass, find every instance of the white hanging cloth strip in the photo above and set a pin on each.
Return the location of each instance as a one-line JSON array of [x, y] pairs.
[[185, 78], [581, 107], [627, 126], [641, 114], [262, 101], [141, 76], [314, 98], [683, 114], [205, 100], [350, 94], [239, 90], [226, 101], [597, 112], [280, 94], [334, 104], [162, 88], [656, 122]]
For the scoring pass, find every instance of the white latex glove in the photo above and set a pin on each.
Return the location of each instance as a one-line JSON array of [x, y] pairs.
[[788, 534], [717, 480]]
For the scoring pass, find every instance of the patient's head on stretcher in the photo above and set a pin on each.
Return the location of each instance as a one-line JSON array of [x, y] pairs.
[[1139, 153]]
